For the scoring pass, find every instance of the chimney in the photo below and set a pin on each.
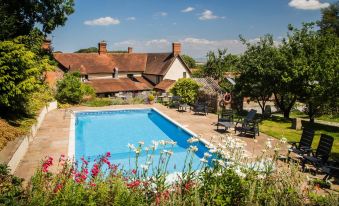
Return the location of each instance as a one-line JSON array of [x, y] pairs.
[[102, 47], [46, 45], [176, 48], [130, 50]]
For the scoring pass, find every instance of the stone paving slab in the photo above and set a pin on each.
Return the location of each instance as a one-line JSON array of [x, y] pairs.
[[52, 137]]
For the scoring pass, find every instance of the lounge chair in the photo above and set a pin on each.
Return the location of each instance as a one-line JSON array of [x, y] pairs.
[[225, 119], [200, 108], [304, 145], [248, 124], [320, 157]]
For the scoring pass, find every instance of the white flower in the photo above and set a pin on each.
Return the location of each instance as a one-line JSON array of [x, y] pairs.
[[155, 143], [203, 160], [192, 140], [170, 152], [206, 154], [171, 142], [283, 140], [137, 151], [269, 144], [141, 142], [193, 148], [148, 162], [131, 146], [144, 167], [146, 148], [213, 150], [162, 142], [221, 163]]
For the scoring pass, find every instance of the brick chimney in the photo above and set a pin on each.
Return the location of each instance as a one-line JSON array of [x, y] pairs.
[[46, 45], [176, 48], [130, 50], [102, 47]]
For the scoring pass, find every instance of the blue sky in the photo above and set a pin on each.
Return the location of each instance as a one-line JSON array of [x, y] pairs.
[[200, 25]]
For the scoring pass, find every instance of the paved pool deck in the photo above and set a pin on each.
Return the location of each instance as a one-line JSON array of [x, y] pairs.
[[52, 137]]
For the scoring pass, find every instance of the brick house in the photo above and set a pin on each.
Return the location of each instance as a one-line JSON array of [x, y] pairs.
[[112, 73]]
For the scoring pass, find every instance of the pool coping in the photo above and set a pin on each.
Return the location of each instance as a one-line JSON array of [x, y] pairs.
[[71, 139]]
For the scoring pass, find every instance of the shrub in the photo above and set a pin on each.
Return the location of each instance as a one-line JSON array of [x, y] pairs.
[[151, 98], [187, 89], [98, 102], [71, 90], [8, 133], [11, 190]]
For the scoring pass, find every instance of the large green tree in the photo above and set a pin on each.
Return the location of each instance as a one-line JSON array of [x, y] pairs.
[[220, 62], [256, 66], [19, 17], [20, 73], [330, 19], [315, 55], [189, 61]]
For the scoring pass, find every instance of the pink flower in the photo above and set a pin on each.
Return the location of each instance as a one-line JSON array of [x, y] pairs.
[[92, 184], [57, 188], [134, 184], [95, 170], [47, 163], [84, 161], [134, 171], [108, 154]]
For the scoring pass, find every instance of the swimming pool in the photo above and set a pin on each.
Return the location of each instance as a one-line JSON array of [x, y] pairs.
[[98, 132]]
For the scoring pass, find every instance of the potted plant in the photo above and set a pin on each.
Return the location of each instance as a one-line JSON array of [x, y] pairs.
[[151, 99]]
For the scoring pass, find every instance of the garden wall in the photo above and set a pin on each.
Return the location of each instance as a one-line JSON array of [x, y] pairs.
[[16, 150]]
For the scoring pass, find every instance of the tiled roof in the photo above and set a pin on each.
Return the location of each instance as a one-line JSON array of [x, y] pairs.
[[158, 63], [91, 63], [208, 84], [165, 84], [117, 85]]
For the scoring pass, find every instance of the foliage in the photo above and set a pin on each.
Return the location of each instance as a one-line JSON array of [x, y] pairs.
[[11, 190], [186, 89], [198, 72], [20, 17], [151, 97], [8, 133], [256, 66], [98, 102], [88, 50], [189, 61], [330, 19], [219, 63], [71, 90], [316, 58], [18, 78]]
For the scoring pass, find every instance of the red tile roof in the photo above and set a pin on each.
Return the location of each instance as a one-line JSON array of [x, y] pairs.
[[165, 84], [92, 63], [117, 85]]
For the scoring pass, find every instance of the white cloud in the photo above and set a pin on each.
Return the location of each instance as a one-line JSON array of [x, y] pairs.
[[131, 18], [188, 9], [157, 42], [307, 4], [161, 13], [103, 21], [208, 15]]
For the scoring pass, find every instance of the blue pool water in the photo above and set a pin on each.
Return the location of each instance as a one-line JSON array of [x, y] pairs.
[[111, 131]]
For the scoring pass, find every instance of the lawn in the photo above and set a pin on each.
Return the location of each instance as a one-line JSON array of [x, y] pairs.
[[278, 127], [325, 117]]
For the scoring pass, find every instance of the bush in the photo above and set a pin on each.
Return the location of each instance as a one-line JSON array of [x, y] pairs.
[[11, 190], [98, 102], [71, 90], [8, 133], [151, 98], [187, 89]]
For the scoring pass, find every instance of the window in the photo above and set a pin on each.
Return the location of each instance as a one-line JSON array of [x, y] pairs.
[[184, 74], [158, 79], [131, 76]]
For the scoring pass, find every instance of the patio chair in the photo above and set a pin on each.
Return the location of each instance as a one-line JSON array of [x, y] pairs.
[[331, 170], [248, 124], [200, 108], [175, 102], [226, 119], [320, 157], [304, 145]]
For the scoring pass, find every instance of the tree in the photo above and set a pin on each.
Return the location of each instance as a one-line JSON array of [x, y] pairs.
[[20, 73], [18, 17], [189, 61], [330, 19], [71, 90], [219, 63], [187, 89], [256, 66], [88, 50], [316, 57]]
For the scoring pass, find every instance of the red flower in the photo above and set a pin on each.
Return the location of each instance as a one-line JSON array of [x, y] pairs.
[[46, 164], [108, 154], [57, 188], [113, 167], [188, 185], [134, 184], [95, 170], [92, 184], [134, 171], [84, 161]]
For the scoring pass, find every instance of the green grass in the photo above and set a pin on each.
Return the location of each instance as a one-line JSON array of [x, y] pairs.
[[278, 127], [325, 117]]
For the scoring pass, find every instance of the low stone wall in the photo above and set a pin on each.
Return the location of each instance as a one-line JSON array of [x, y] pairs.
[[16, 150]]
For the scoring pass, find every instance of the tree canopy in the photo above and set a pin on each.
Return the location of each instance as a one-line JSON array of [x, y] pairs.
[[19, 17], [189, 61], [330, 19], [87, 50], [187, 89]]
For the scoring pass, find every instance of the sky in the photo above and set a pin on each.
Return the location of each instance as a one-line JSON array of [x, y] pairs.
[[200, 25]]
